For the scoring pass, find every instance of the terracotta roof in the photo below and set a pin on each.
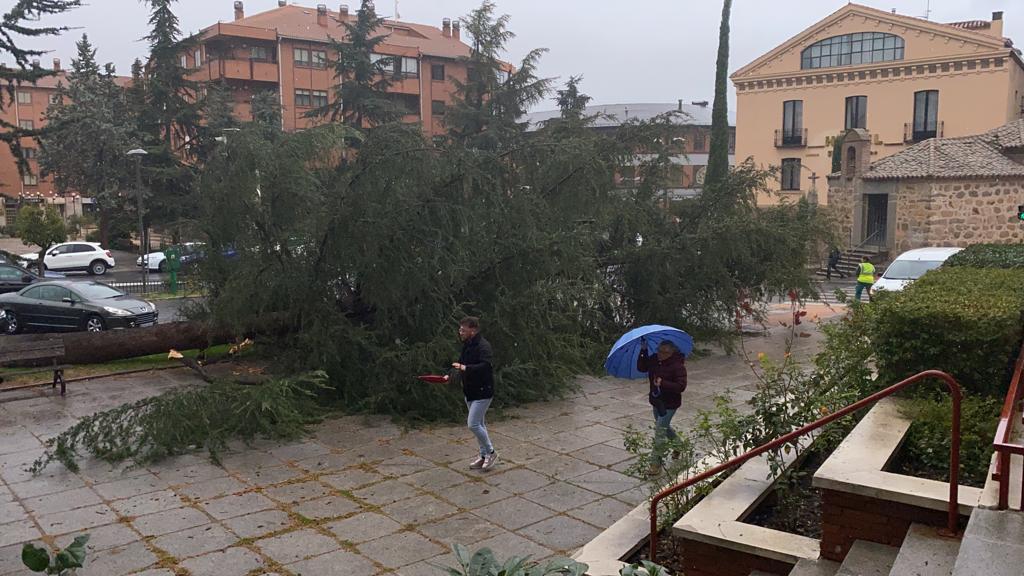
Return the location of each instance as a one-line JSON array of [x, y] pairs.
[[980, 156], [301, 22], [614, 115], [971, 24]]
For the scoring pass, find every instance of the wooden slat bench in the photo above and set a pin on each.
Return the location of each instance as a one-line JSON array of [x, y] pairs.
[[15, 349]]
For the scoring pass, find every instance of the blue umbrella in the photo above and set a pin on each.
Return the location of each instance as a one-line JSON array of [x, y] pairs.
[[621, 360]]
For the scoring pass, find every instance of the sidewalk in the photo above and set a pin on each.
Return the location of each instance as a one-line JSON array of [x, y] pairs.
[[361, 497]]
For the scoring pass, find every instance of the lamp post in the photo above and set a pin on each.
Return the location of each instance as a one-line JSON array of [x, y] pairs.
[[138, 153]]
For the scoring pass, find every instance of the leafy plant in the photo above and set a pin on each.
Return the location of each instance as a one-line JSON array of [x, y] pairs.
[[483, 563], [644, 568], [39, 559], [988, 256], [925, 451]]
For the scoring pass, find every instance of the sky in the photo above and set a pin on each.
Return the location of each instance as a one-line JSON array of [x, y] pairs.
[[632, 51]]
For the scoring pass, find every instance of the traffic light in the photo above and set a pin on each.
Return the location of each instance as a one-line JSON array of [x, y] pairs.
[[1020, 212]]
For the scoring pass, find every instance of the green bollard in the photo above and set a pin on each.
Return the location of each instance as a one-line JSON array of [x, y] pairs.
[[173, 255]]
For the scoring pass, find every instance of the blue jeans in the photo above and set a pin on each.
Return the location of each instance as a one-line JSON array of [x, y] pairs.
[[477, 412], [663, 429], [861, 286]]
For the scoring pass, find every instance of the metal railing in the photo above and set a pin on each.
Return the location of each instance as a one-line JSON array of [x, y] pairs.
[[1002, 445], [791, 138], [954, 452], [152, 286]]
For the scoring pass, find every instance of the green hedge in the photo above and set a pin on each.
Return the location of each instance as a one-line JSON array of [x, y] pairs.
[[966, 321], [989, 256]]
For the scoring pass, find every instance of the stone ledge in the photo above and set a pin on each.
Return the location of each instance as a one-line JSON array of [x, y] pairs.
[[857, 466]]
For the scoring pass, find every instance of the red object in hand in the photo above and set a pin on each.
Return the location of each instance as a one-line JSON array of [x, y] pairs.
[[433, 378]]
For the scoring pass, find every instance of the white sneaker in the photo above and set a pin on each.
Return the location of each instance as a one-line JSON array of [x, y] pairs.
[[490, 460], [478, 463]]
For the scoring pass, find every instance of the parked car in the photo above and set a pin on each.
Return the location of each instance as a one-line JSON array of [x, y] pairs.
[[191, 254], [910, 266], [13, 277], [66, 306], [75, 257]]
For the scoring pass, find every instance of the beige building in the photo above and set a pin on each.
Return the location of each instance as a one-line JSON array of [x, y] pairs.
[[902, 79]]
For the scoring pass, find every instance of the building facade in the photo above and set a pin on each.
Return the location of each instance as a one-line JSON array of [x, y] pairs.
[[901, 79], [287, 50]]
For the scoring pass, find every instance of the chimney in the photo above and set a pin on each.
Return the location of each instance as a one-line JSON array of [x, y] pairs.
[[239, 10], [343, 11], [56, 64], [446, 27], [456, 30], [35, 62], [680, 105], [321, 15], [997, 24], [282, 3]]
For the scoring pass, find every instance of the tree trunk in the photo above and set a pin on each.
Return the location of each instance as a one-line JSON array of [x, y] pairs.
[[105, 227]]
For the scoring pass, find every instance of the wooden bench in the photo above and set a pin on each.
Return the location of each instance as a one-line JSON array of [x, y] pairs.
[[15, 349]]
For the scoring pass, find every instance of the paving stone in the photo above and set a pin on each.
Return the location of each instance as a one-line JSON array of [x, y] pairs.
[[518, 480], [363, 527], [78, 519], [169, 521], [269, 476], [103, 537], [100, 472], [351, 479], [337, 562], [119, 561], [602, 513], [299, 451], [418, 510], [50, 484], [429, 567], [603, 455], [249, 461], [568, 442], [513, 513], [297, 545], [18, 532], [327, 462], [507, 545], [446, 451], [561, 467], [473, 494], [130, 487], [212, 488], [148, 503], [600, 433], [259, 523], [10, 559], [295, 493], [436, 479], [69, 500], [155, 572], [11, 511], [607, 482], [400, 549], [231, 562], [237, 505], [404, 466], [560, 533], [561, 496], [195, 541], [635, 496], [465, 529], [387, 492], [17, 439], [327, 507], [189, 473]]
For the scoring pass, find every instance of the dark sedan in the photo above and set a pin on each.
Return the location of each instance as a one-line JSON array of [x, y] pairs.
[[66, 306], [13, 277]]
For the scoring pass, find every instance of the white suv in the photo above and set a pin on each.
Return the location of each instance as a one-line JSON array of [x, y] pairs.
[[75, 257]]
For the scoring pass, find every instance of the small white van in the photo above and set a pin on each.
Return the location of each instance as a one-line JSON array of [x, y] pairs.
[[911, 265]]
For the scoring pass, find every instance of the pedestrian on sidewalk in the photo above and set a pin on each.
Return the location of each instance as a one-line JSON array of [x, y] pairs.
[[475, 366], [834, 255], [865, 277], [666, 373]]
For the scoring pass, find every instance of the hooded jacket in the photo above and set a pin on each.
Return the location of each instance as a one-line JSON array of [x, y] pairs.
[[478, 380], [672, 372]]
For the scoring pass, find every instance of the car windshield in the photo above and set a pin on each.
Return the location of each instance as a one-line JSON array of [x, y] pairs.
[[910, 269], [96, 291]]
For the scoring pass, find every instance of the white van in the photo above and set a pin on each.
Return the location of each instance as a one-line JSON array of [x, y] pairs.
[[911, 265]]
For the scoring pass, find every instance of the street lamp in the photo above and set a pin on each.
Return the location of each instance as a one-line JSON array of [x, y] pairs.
[[138, 153]]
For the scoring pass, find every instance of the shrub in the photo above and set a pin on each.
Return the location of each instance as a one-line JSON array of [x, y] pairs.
[[483, 563], [62, 563], [926, 449], [989, 256], [965, 321]]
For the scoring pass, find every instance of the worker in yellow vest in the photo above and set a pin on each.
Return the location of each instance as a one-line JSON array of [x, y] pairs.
[[865, 277]]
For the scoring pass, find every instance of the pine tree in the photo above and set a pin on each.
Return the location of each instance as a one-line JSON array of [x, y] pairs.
[[718, 159], [218, 108], [571, 101], [13, 24], [266, 110]]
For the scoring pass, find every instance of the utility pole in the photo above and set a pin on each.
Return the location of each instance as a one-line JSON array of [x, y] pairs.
[[138, 153]]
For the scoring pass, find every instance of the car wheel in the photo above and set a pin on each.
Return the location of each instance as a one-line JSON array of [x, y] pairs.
[[162, 267], [13, 324], [95, 324], [98, 268]]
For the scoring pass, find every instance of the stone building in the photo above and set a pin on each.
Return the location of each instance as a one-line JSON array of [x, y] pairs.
[[940, 192]]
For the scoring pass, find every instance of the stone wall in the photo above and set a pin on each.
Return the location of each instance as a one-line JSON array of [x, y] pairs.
[[840, 208]]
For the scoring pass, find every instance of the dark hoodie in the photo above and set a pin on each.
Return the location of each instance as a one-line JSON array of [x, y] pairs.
[[672, 372]]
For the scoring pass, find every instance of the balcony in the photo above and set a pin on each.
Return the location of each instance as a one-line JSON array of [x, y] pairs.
[[248, 69], [910, 135], [791, 138]]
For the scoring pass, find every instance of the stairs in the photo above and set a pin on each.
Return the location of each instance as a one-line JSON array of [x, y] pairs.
[[993, 544], [851, 258]]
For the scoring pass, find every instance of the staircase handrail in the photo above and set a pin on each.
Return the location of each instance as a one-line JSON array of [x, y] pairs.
[[866, 240], [954, 451], [1002, 445]]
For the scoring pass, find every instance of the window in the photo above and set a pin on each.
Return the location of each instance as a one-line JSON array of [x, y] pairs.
[[410, 67], [33, 293], [62, 249], [319, 58], [10, 274], [303, 99], [24, 97], [26, 124], [792, 122], [407, 104], [503, 76], [437, 73], [198, 57], [856, 112], [437, 107], [698, 141], [383, 62], [790, 173], [926, 114], [28, 153], [30, 179], [319, 98], [259, 53], [82, 248], [852, 50], [53, 98], [184, 61], [52, 293], [302, 57]]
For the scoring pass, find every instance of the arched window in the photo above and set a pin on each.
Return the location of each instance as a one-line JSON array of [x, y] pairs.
[[852, 50]]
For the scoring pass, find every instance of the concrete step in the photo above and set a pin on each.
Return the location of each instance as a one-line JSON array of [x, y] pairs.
[[819, 567], [993, 544], [868, 559], [925, 553]]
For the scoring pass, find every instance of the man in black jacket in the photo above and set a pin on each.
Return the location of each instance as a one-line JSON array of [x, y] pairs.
[[475, 364]]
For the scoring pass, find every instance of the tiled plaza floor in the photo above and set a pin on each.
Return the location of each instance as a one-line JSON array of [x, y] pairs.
[[360, 497]]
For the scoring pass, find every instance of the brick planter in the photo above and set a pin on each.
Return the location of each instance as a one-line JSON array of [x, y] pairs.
[[703, 559]]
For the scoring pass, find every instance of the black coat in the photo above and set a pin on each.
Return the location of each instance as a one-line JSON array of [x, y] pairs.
[[478, 379]]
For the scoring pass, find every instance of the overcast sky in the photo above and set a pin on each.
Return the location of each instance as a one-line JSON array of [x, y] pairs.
[[630, 51]]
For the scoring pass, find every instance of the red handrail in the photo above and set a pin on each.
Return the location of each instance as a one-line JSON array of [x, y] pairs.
[[954, 452], [1002, 445]]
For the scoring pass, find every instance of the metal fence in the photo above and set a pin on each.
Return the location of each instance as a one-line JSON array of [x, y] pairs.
[[136, 287]]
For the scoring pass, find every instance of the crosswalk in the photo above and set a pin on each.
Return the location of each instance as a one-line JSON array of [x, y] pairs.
[[828, 294]]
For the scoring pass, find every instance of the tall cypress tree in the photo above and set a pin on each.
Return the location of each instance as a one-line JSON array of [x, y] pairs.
[[718, 160]]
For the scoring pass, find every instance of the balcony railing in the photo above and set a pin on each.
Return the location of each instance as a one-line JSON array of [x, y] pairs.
[[1003, 445], [912, 134], [791, 138]]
